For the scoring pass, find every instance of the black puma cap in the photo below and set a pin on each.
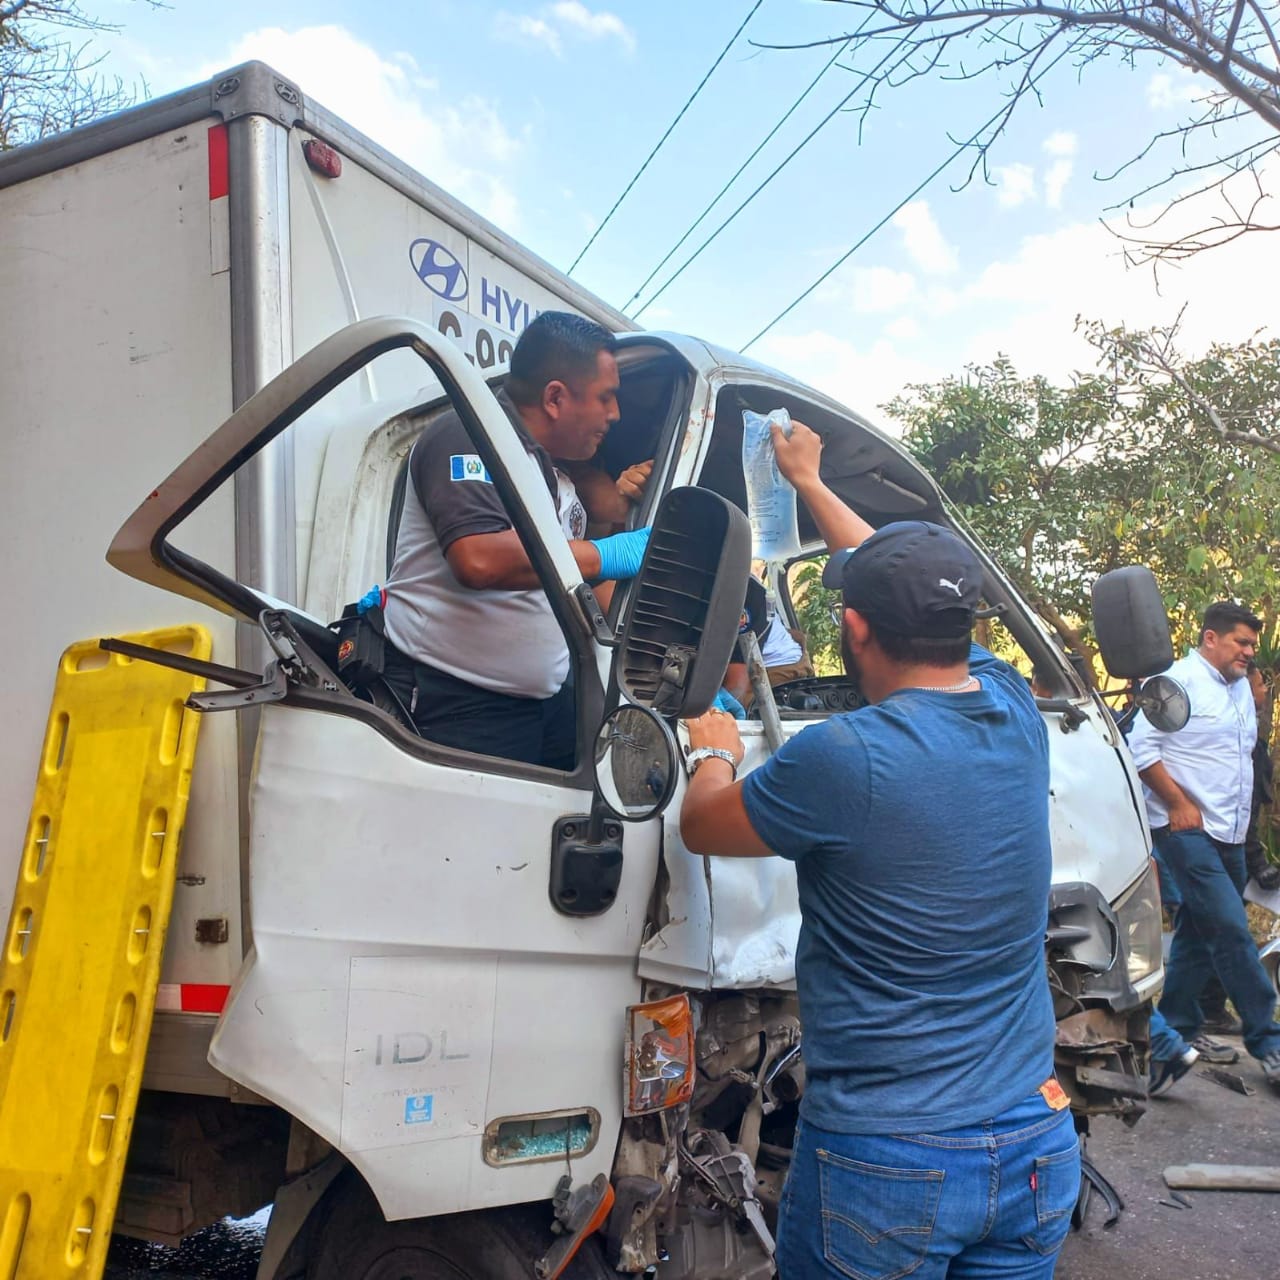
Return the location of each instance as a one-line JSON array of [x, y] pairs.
[[912, 578]]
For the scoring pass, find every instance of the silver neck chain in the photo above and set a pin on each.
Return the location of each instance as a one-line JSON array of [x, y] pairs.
[[968, 682]]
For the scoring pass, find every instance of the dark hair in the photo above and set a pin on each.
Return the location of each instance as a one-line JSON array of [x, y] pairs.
[[555, 346], [925, 651], [1226, 616]]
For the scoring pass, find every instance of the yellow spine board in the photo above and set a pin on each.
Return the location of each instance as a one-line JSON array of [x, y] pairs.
[[82, 952]]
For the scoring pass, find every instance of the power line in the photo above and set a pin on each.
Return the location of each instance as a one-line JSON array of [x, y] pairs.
[[764, 143], [665, 136], [804, 142], [915, 191]]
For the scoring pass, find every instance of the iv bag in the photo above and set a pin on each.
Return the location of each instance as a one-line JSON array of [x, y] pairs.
[[771, 501]]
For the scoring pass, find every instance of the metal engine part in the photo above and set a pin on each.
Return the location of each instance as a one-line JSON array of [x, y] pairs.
[[716, 1228], [1100, 1060], [645, 1177]]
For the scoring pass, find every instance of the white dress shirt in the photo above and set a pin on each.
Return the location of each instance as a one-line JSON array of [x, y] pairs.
[[1210, 758], [778, 647]]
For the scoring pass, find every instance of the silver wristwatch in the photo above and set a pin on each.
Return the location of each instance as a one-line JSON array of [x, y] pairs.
[[699, 754]]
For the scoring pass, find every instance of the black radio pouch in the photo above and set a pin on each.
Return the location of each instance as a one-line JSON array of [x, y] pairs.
[[362, 646]]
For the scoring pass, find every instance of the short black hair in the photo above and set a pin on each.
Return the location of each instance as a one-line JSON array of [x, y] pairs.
[[555, 346], [924, 651], [1225, 616]]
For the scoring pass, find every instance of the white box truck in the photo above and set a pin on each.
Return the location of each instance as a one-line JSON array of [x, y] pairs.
[[409, 995]]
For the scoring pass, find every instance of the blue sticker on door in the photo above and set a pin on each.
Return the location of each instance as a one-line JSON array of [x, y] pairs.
[[417, 1108]]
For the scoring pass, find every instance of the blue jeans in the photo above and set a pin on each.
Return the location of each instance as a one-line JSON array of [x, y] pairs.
[[1169, 894], [1166, 1043], [1212, 935], [990, 1200]]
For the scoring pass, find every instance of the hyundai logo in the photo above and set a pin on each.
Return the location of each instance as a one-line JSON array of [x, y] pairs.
[[439, 269]]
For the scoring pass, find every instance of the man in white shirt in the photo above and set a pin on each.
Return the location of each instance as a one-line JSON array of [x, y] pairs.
[[1198, 783]]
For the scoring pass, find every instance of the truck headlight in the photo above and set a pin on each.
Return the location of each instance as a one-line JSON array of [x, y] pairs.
[[660, 1064], [1138, 915]]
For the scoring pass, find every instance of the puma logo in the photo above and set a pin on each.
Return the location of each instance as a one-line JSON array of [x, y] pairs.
[[951, 586]]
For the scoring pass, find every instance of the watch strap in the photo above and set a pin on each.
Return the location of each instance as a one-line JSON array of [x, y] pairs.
[[699, 754]]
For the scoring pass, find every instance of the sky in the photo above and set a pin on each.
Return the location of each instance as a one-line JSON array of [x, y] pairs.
[[538, 113]]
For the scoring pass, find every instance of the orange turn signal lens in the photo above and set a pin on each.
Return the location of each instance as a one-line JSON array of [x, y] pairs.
[[660, 1071]]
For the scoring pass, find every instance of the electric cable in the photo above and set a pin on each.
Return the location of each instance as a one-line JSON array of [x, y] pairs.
[[813, 84], [915, 191], [665, 136], [804, 142]]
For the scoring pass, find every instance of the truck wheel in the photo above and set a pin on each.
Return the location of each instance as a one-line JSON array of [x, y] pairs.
[[355, 1242]]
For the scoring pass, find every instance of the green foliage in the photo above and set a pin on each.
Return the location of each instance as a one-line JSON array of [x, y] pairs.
[[1158, 460], [813, 604]]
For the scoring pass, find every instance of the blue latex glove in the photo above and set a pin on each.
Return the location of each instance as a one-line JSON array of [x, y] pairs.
[[725, 701], [621, 554], [374, 598]]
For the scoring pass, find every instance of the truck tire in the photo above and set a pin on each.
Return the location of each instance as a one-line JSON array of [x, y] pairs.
[[353, 1241]]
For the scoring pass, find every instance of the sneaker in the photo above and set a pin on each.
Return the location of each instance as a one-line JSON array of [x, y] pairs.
[[1222, 1024], [1215, 1051], [1165, 1073], [1271, 1066]]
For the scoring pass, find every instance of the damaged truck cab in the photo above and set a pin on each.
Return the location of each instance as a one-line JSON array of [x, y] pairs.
[[487, 988]]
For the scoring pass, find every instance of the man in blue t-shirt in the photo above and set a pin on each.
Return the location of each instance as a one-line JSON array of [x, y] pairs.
[[934, 1138]]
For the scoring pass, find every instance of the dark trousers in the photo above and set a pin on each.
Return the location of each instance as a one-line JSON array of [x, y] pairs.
[[454, 713], [1212, 935]]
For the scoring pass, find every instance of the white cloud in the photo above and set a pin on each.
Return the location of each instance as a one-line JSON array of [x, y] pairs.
[[1025, 303], [523, 26], [880, 289], [593, 25], [552, 25], [426, 83], [923, 240], [861, 377], [459, 145], [1015, 184], [870, 290], [1055, 182], [1061, 145], [1030, 300], [1172, 89]]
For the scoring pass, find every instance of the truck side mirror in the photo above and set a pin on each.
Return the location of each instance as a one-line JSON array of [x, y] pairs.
[[686, 604], [1131, 623], [635, 763], [1164, 702]]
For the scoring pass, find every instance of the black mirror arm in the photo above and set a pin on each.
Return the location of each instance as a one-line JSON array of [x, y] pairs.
[[593, 616], [596, 819], [1072, 716]]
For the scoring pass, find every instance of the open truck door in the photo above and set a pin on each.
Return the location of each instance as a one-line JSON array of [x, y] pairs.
[[426, 992]]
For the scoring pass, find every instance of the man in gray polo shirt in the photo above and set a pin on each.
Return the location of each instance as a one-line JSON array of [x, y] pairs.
[[477, 654]]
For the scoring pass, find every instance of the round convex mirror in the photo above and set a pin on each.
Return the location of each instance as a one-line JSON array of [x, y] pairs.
[[635, 763], [1165, 703]]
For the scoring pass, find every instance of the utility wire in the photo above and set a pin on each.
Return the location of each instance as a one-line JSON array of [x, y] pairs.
[[915, 191], [675, 248], [804, 142], [665, 136]]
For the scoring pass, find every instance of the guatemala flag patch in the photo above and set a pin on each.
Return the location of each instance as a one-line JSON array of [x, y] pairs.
[[467, 466]]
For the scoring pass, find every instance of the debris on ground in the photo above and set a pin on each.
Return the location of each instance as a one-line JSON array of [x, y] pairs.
[[1228, 1080], [1224, 1177]]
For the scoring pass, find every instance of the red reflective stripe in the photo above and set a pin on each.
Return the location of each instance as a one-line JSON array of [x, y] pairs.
[[201, 997], [219, 168]]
